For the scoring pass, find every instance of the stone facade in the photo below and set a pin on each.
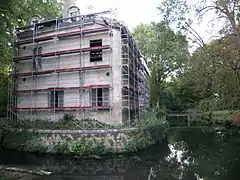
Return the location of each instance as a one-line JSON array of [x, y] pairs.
[[83, 142]]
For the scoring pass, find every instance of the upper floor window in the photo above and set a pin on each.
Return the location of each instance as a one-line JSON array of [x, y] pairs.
[[37, 60], [95, 54]]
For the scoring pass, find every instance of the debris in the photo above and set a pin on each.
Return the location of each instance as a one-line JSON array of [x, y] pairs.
[[36, 172]]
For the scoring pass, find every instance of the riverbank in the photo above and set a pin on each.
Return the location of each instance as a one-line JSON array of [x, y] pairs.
[[210, 119], [191, 154], [82, 142]]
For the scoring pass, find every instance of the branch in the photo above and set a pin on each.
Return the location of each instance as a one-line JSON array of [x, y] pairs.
[[213, 37], [208, 8], [196, 35], [203, 13], [195, 41], [40, 172], [234, 5]]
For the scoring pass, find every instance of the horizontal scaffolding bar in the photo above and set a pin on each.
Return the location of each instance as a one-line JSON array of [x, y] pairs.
[[63, 108], [62, 70], [61, 88], [60, 19], [63, 52], [59, 35]]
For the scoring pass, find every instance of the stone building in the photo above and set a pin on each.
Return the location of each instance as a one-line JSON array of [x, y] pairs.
[[88, 66]]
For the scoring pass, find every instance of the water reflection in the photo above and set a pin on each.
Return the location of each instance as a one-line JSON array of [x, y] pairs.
[[195, 154]]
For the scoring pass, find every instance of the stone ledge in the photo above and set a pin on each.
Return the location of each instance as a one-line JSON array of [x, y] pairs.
[[83, 142], [98, 131]]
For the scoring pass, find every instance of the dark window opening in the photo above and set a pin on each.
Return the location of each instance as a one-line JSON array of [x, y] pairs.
[[99, 97], [95, 43], [56, 98], [37, 60], [95, 55]]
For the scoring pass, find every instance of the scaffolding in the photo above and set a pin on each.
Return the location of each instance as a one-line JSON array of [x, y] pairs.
[[82, 95], [131, 65]]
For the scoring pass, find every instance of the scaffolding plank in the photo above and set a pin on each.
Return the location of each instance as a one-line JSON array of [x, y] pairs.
[[59, 35], [61, 88], [63, 52], [62, 108], [62, 70]]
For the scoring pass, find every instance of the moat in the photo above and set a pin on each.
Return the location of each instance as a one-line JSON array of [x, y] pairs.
[[189, 154]]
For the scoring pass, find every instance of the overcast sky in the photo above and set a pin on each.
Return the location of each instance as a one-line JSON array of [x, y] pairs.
[[134, 12]]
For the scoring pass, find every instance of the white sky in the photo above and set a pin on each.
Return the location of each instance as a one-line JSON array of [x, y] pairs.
[[134, 12]]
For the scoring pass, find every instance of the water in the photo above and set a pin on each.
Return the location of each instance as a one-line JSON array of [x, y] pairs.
[[189, 154]]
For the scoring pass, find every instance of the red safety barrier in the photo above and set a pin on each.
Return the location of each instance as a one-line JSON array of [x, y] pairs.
[[61, 88], [61, 70], [63, 108], [72, 33]]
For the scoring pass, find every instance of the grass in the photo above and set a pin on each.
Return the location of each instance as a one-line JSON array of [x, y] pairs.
[[225, 116]]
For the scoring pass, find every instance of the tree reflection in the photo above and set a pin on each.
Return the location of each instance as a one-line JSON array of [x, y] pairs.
[[204, 154], [189, 154]]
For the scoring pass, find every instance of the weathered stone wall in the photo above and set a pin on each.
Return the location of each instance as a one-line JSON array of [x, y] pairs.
[[83, 142]]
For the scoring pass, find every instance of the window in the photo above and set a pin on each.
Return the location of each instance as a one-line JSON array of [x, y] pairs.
[[95, 55], [37, 60], [99, 97], [56, 99]]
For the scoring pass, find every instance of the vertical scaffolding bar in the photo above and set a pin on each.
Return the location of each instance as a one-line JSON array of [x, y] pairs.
[[32, 68], [81, 76]]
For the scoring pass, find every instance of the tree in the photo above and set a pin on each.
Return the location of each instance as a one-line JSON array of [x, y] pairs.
[[167, 53], [214, 68], [16, 13], [215, 78], [176, 12]]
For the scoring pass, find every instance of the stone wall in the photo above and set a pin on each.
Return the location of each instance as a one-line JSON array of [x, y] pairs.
[[82, 142]]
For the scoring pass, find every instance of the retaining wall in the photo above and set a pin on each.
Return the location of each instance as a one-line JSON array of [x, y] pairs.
[[82, 142]]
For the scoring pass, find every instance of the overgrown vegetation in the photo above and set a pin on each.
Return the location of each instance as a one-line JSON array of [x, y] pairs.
[[69, 122], [205, 80], [88, 147], [13, 14], [62, 124], [215, 118], [25, 141]]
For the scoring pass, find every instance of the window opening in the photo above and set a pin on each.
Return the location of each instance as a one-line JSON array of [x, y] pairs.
[[37, 60], [56, 99], [99, 97], [95, 55]]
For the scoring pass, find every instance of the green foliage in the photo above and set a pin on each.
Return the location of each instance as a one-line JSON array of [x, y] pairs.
[[88, 147], [215, 77], [66, 123], [67, 117], [167, 52], [136, 145], [13, 14], [211, 78], [23, 140], [61, 148], [152, 118]]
